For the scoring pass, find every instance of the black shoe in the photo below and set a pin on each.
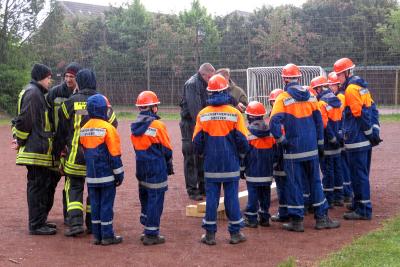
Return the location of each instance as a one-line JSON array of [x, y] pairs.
[[196, 197], [112, 241], [326, 223], [250, 224], [264, 222], [44, 230], [149, 240], [96, 242], [208, 238], [331, 206], [338, 203], [348, 200], [294, 225], [88, 231], [74, 230], [278, 218], [354, 216], [237, 238], [51, 225], [350, 207]]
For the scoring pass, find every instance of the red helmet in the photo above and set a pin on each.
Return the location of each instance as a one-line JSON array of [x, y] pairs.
[[147, 98], [274, 94], [217, 83], [342, 65], [255, 108], [333, 79], [291, 71], [319, 81]]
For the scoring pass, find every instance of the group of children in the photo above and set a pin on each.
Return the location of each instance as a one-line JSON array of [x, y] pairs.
[[257, 153]]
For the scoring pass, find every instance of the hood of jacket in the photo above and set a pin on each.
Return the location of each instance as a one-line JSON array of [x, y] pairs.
[[97, 106], [297, 91], [142, 122], [218, 99], [354, 80], [330, 98], [86, 79], [259, 128]]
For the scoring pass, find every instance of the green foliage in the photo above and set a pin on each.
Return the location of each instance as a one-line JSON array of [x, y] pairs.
[[379, 248], [389, 118], [290, 262], [390, 31]]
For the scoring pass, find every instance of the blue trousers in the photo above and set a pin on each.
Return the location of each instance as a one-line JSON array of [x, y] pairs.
[[152, 204], [359, 165], [281, 192], [296, 173], [231, 202], [332, 179], [347, 188], [259, 200], [102, 203]]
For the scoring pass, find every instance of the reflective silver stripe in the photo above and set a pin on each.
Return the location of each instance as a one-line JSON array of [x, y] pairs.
[[221, 174], [236, 222], [332, 152], [283, 206], [100, 180], [295, 207], [151, 228], [365, 201], [346, 183], [320, 142], [218, 116], [251, 137], [96, 221], [333, 140], [93, 132], [328, 189], [259, 179], [209, 222], [251, 213], [376, 126], [279, 173], [357, 145], [368, 132], [261, 211], [143, 215], [306, 195], [300, 155], [338, 187], [118, 171], [280, 139], [320, 203], [106, 223], [154, 186]]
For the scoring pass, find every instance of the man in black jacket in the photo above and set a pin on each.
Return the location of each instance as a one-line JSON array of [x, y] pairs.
[[193, 100], [56, 96], [33, 133]]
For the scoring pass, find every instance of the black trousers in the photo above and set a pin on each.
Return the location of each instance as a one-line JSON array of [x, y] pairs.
[[74, 187], [193, 164], [55, 179], [38, 190]]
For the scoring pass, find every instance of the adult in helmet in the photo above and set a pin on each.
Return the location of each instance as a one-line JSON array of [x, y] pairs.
[[361, 132], [331, 165], [153, 150], [193, 100], [278, 172], [297, 111], [334, 86], [220, 136], [258, 166]]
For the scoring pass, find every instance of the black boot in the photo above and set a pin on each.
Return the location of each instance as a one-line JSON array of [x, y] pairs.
[[208, 238], [237, 238], [295, 225], [44, 230], [74, 230], [326, 223], [250, 224], [354, 216], [149, 240], [278, 218], [112, 241]]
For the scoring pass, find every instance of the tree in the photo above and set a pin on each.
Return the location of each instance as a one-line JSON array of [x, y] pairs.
[[390, 31]]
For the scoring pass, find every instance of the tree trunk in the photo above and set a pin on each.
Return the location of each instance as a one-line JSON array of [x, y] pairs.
[[3, 36]]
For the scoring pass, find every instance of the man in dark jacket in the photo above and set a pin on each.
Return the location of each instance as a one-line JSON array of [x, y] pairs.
[[56, 96], [193, 100], [33, 133], [240, 100], [72, 116]]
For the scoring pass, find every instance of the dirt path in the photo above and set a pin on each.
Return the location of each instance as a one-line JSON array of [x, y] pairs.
[[265, 246]]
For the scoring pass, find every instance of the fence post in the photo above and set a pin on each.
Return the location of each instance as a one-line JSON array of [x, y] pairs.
[[396, 88]]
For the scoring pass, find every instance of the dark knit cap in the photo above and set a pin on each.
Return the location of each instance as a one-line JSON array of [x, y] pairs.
[[73, 68], [86, 79], [40, 72]]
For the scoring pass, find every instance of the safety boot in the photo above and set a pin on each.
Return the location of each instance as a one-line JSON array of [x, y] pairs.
[[331, 206], [278, 218], [338, 203], [44, 230], [250, 224], [295, 225], [347, 199], [237, 238], [326, 223], [112, 241], [74, 230], [96, 241], [51, 225], [208, 238], [352, 215], [264, 222], [149, 240], [350, 207]]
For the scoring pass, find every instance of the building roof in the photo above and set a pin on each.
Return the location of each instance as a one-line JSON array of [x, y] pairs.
[[80, 9]]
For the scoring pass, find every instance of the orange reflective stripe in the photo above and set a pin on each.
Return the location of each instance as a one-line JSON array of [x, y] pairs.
[[263, 143], [324, 112]]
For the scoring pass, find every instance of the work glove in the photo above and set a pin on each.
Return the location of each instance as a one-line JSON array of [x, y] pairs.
[[119, 178], [374, 137], [321, 151], [334, 143], [170, 167]]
